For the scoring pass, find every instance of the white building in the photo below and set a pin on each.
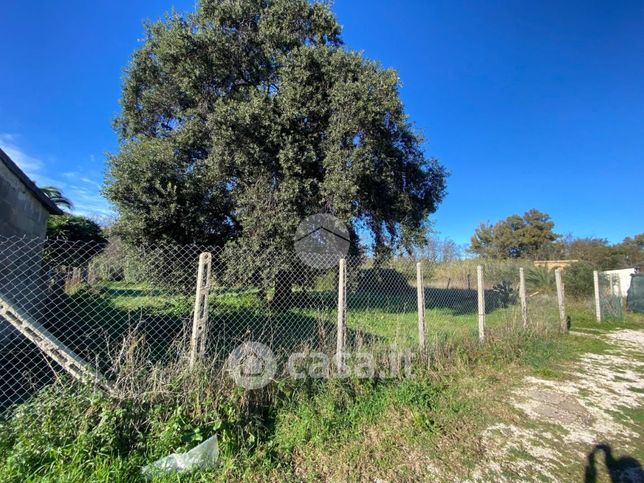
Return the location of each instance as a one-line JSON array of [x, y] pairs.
[[620, 280]]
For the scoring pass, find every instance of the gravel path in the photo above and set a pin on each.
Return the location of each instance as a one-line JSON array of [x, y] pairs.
[[576, 424]]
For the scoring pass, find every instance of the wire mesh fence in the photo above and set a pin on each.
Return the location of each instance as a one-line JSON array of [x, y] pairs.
[[611, 296], [111, 304]]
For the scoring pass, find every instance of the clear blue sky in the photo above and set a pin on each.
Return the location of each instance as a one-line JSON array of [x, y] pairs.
[[528, 103]]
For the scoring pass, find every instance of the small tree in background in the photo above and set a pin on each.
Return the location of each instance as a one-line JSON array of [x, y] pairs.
[[604, 256], [530, 235], [73, 240], [540, 279]]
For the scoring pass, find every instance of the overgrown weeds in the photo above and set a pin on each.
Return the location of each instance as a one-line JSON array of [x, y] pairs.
[[293, 429], [289, 429]]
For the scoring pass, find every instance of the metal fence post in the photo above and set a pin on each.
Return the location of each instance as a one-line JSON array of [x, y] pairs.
[[522, 296], [200, 316], [481, 302], [420, 293], [560, 301], [598, 307], [342, 311]]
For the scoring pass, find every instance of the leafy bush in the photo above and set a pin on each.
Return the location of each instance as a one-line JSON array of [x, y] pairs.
[[74, 228], [578, 279], [504, 293], [540, 279], [167, 266]]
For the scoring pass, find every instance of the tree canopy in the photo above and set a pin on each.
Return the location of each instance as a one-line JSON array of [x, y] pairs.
[[530, 235], [604, 256], [246, 116], [74, 228]]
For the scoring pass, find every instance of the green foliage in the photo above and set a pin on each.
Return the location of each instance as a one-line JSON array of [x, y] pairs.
[[385, 281], [74, 228], [245, 117], [504, 293], [73, 241], [69, 433], [530, 235], [540, 279], [291, 430], [578, 279], [603, 256], [62, 432]]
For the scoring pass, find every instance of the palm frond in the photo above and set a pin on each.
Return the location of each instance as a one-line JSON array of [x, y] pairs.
[[57, 197]]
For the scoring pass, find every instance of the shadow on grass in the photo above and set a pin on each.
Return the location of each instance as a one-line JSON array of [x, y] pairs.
[[621, 469], [94, 321], [24, 370], [94, 325]]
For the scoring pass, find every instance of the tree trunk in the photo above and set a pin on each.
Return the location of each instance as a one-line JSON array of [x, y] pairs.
[[283, 291]]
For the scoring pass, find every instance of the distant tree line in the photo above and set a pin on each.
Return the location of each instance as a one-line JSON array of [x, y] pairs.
[[532, 236]]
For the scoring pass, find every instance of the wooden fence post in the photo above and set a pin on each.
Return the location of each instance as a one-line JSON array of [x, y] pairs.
[[342, 312], [420, 292], [200, 316], [560, 301], [522, 296], [598, 307], [481, 302]]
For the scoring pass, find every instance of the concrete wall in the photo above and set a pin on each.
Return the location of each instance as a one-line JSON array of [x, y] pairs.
[[21, 215], [554, 264], [620, 280]]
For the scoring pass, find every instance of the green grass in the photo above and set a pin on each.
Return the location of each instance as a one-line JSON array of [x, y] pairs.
[[338, 429], [373, 318]]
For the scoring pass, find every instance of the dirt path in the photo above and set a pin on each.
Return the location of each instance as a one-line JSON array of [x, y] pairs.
[[577, 428]]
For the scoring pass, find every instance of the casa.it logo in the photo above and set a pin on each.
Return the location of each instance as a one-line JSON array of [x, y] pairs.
[[321, 241], [252, 365]]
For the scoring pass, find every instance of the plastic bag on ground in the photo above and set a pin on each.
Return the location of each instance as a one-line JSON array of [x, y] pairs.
[[202, 456]]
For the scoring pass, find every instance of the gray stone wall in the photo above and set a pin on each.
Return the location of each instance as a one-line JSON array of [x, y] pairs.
[[21, 215]]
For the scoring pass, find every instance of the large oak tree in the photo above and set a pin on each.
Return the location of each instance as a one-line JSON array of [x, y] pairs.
[[246, 116]]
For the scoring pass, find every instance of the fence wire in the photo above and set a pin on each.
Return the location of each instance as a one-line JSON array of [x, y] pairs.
[[611, 296], [115, 303]]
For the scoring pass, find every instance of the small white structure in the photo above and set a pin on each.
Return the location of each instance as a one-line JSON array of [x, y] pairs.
[[620, 280]]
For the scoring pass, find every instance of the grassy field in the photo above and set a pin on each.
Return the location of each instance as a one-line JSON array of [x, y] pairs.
[[89, 319], [339, 429]]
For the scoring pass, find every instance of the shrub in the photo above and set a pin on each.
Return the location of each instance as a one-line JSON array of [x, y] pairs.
[[578, 279], [504, 294], [540, 279]]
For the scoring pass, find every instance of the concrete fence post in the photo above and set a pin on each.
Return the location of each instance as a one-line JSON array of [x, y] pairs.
[[200, 315], [420, 292], [522, 296], [342, 313], [598, 307], [481, 302], [560, 300]]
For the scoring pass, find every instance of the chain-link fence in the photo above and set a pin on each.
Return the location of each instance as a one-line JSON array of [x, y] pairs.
[[611, 296], [112, 305]]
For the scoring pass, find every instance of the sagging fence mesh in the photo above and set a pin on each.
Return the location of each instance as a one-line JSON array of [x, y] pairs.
[[110, 304]]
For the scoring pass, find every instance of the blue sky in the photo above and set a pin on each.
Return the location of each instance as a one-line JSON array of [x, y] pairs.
[[529, 104]]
